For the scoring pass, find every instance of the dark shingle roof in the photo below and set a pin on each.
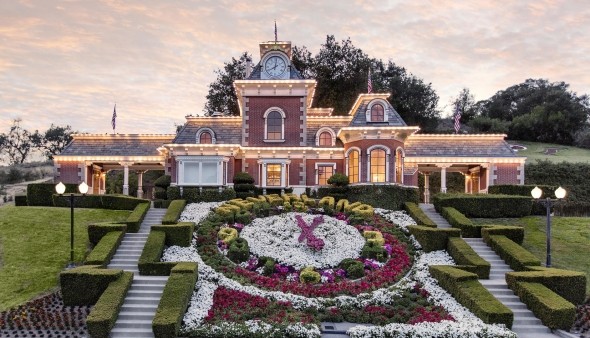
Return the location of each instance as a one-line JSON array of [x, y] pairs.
[[227, 131], [457, 146], [360, 118], [313, 125], [115, 145]]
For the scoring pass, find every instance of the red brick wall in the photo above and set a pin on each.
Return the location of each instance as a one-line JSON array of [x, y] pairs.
[[237, 166], [506, 173], [253, 169], [483, 174], [171, 165], [366, 144], [310, 168], [411, 179], [68, 172], [295, 171], [257, 106]]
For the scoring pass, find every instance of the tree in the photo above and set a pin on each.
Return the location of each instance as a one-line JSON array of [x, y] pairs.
[[465, 103], [222, 95], [17, 143], [53, 141]]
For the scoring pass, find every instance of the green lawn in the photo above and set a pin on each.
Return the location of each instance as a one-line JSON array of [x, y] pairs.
[[536, 151], [35, 247], [570, 240]]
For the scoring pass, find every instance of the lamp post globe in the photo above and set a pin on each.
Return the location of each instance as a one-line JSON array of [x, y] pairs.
[[60, 188], [83, 188]]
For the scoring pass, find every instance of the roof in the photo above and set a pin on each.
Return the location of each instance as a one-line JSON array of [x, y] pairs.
[[313, 125], [360, 107], [227, 130], [449, 145], [116, 144]]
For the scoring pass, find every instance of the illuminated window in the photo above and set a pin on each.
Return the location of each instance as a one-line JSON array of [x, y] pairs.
[[353, 166], [274, 126], [377, 113], [273, 175], [377, 165], [324, 173], [205, 138], [399, 166], [325, 139]]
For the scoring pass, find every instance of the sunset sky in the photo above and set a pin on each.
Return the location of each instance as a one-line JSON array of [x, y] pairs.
[[68, 62]]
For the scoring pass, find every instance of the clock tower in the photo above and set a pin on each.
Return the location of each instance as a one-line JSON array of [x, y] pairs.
[[275, 60]]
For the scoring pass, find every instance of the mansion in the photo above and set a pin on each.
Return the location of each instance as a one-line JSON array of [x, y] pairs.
[[283, 142]]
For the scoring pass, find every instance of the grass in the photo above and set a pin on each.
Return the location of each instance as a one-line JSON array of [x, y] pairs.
[[569, 240], [536, 151], [36, 247]]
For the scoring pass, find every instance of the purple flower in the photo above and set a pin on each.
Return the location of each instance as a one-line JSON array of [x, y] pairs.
[[388, 248]]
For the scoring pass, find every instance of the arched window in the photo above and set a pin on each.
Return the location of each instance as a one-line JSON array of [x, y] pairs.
[[377, 113], [378, 165], [325, 139], [205, 138], [353, 166], [274, 125]]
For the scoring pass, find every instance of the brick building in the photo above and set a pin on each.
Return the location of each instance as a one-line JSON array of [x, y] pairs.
[[284, 143]]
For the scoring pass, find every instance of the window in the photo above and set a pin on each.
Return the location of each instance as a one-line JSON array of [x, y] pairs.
[[324, 173], [377, 113], [207, 171], [325, 139], [378, 165], [274, 126], [399, 166], [273, 175], [353, 166], [205, 138]]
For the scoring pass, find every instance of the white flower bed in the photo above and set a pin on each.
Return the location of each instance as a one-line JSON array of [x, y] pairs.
[[466, 325], [196, 212], [277, 237]]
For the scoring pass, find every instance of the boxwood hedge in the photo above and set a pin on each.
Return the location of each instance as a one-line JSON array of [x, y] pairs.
[[104, 251], [104, 314], [463, 254], [433, 239], [413, 209], [514, 233], [390, 197], [176, 234], [517, 257], [485, 205], [173, 212], [458, 220], [553, 310], [85, 284], [149, 261], [570, 285]]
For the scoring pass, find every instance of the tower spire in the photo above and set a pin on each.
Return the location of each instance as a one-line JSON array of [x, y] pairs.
[[276, 39]]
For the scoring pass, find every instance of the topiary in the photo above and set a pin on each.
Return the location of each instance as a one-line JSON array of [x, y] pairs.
[[268, 265], [239, 251], [243, 178], [374, 251], [307, 275], [354, 269], [227, 235], [243, 217], [338, 180], [163, 182]]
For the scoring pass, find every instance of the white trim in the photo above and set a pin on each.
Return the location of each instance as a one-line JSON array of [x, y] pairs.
[[182, 160], [387, 158], [205, 130], [322, 130], [359, 160], [265, 116], [323, 164], [383, 104], [283, 162], [402, 164]]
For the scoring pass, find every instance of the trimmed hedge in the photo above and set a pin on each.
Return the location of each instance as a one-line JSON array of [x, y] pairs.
[[121, 202], [570, 285], [196, 195], [517, 257], [554, 311], [485, 205], [85, 284], [379, 196], [514, 233], [175, 298], [458, 220], [176, 234], [433, 239], [149, 261], [162, 203], [104, 314], [463, 254], [104, 251], [80, 201], [96, 231], [413, 209], [20, 200], [521, 190], [173, 213], [468, 291], [173, 193], [136, 217], [41, 194]]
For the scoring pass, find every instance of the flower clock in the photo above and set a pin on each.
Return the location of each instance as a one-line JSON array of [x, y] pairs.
[[268, 271]]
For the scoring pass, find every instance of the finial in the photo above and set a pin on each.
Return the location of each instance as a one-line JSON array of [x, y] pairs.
[[276, 39]]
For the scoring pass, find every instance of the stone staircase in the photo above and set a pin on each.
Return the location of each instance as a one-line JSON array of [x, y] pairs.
[[440, 221], [137, 312]]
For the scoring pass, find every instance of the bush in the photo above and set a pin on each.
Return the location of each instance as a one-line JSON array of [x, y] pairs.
[[354, 269], [469, 292], [104, 251], [514, 233], [179, 234], [338, 180], [163, 182], [20, 200], [173, 213], [80, 201], [136, 217], [243, 217], [413, 209], [227, 235], [390, 197], [239, 251], [458, 220], [554, 311], [433, 239], [374, 251], [485, 205], [174, 302], [363, 211], [149, 261], [327, 201], [41, 194], [104, 314], [570, 285], [307, 275], [243, 178], [341, 205], [173, 193], [121, 202], [84, 285], [97, 230], [268, 265], [517, 257], [463, 254], [524, 190]]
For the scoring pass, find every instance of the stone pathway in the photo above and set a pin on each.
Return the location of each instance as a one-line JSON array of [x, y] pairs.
[[137, 312]]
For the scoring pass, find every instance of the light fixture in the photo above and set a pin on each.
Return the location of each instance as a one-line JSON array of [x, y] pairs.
[[60, 188], [83, 188], [548, 203], [536, 193], [560, 193]]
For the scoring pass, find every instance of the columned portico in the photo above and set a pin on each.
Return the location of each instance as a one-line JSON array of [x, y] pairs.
[[126, 166], [140, 183]]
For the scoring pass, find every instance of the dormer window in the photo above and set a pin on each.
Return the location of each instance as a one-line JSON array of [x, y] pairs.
[[377, 113], [205, 136], [274, 125], [325, 137]]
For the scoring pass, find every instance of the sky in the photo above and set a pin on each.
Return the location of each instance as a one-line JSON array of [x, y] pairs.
[[69, 62]]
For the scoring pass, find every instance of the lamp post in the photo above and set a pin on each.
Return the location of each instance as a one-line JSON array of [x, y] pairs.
[[60, 188], [548, 203]]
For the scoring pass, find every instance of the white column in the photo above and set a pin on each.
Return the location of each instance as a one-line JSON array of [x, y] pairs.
[[140, 183], [126, 176], [467, 182], [443, 180], [426, 187]]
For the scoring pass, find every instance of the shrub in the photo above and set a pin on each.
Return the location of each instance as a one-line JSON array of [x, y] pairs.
[[485, 205], [173, 212], [338, 180], [458, 220], [20, 200], [379, 196], [84, 285], [517, 257], [227, 235], [173, 193], [104, 251], [570, 285], [121, 202], [243, 217], [160, 194], [163, 182], [554, 311], [514, 233], [524, 190], [363, 211], [162, 203], [341, 205], [469, 292], [463, 254], [41, 194], [374, 251], [243, 178], [239, 251], [354, 269], [97, 230], [80, 201], [174, 302], [307, 275], [177, 234], [413, 209], [149, 261], [433, 239], [327, 201], [136, 217], [268, 265], [374, 236], [104, 314]]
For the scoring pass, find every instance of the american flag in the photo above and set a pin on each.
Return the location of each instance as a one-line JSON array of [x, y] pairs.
[[113, 120], [369, 83], [457, 118]]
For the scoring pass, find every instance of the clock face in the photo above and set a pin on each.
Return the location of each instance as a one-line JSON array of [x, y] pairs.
[[275, 66]]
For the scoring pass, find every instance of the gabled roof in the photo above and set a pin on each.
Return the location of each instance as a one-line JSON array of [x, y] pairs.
[[359, 109], [450, 145], [227, 130], [115, 145]]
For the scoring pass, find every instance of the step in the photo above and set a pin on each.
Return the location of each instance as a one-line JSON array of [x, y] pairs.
[[145, 293], [153, 280], [129, 261], [142, 300], [515, 305], [134, 323], [127, 333], [151, 308], [528, 329], [527, 321], [128, 315], [147, 287], [495, 292]]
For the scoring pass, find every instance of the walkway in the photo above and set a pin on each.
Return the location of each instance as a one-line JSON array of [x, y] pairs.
[[139, 308]]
